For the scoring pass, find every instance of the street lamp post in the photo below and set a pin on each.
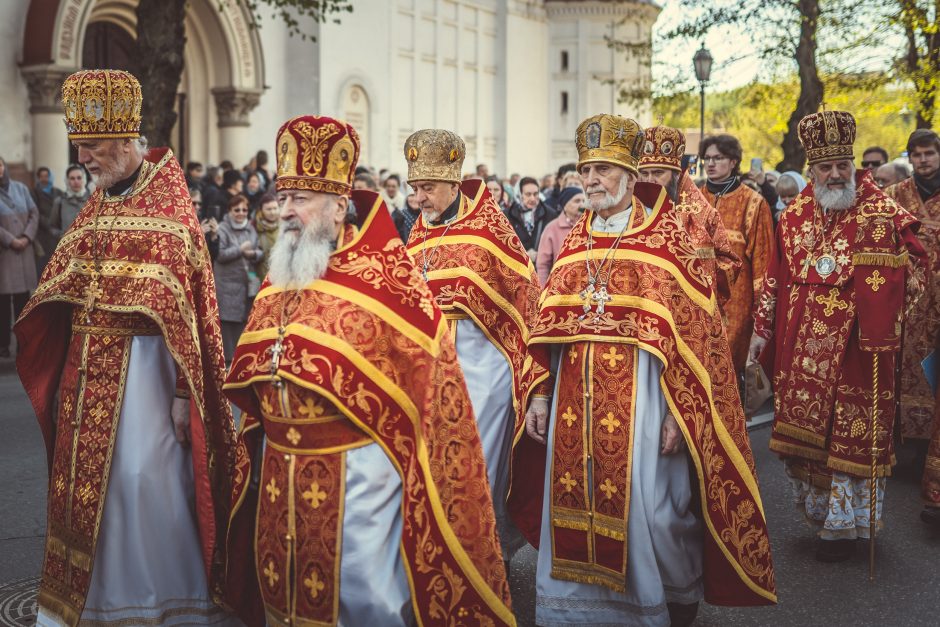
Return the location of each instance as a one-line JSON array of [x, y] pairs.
[[703, 69]]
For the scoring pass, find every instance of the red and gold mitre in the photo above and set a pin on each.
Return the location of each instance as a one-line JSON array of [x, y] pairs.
[[663, 148], [827, 136], [434, 155], [102, 104], [610, 139], [318, 154]]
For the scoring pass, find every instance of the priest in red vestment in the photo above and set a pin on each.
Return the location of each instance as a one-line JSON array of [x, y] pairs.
[[644, 500], [121, 356], [847, 268], [661, 163], [372, 505], [920, 195], [485, 283], [750, 227]]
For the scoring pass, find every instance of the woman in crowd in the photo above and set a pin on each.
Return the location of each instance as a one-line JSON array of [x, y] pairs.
[[66, 207], [571, 200], [498, 192], [254, 190], [235, 278], [19, 221], [789, 184]]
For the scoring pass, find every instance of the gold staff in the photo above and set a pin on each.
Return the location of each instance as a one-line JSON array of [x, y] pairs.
[[873, 488]]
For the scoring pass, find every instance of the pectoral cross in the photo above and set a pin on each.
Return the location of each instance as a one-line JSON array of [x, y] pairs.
[[587, 295], [601, 297], [276, 351], [807, 262], [92, 293]]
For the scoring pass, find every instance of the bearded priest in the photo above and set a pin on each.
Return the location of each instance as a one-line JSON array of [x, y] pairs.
[[373, 506], [644, 501], [484, 282], [847, 270], [121, 356]]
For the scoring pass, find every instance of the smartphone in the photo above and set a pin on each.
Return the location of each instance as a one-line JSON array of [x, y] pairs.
[[757, 164]]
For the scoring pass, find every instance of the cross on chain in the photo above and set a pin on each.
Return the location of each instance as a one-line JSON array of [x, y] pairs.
[[92, 293], [276, 351]]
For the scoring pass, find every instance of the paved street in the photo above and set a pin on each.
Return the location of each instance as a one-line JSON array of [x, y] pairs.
[[905, 592]]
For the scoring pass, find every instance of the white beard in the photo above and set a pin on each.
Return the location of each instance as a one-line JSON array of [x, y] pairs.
[[836, 199], [300, 255], [608, 201]]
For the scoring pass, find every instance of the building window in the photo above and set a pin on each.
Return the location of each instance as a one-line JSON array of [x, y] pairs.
[[564, 103], [564, 60]]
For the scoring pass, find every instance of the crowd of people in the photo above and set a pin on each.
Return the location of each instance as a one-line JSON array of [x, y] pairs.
[[433, 369]]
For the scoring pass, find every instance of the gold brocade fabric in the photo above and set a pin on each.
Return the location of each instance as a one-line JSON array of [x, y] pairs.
[[750, 229], [923, 323]]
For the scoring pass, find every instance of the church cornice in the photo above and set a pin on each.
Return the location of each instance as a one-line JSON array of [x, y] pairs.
[[601, 8]]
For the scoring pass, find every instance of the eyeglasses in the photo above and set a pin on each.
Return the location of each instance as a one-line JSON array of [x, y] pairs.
[[714, 159], [872, 164]]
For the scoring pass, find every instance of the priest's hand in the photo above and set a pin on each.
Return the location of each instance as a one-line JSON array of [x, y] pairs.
[[536, 419], [180, 414], [754, 350], [671, 438]]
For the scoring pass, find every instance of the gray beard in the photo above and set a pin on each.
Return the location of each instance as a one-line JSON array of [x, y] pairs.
[[836, 199], [609, 201], [299, 258]]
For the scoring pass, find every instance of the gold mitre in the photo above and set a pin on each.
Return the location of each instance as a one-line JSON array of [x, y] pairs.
[[102, 104], [434, 155], [610, 139]]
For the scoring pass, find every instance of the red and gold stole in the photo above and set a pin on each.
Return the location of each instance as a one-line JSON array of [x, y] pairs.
[[708, 234], [155, 278], [368, 340], [477, 268], [660, 302]]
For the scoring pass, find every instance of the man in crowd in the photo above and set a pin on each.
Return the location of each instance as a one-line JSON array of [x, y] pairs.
[[661, 164], [846, 269], [873, 158], [920, 195], [232, 186], [372, 482], [891, 174], [748, 222], [121, 357], [530, 216], [487, 288], [194, 173], [365, 181], [636, 425]]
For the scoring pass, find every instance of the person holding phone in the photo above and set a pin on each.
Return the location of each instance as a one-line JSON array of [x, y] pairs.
[[746, 216]]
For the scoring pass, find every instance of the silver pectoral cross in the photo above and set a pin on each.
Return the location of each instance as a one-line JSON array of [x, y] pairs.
[[276, 351], [587, 295], [601, 297]]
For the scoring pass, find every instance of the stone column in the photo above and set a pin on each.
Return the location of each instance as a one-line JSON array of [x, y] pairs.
[[233, 107], [50, 143]]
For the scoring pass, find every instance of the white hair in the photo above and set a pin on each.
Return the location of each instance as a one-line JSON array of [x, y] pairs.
[[139, 145]]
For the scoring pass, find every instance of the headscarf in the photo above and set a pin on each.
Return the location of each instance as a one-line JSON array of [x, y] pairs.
[[566, 195], [800, 184]]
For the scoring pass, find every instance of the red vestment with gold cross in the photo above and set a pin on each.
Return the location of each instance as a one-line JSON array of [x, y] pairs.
[[660, 300], [153, 276], [834, 293], [365, 357]]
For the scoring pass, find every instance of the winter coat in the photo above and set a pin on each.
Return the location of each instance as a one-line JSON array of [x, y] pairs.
[[44, 201], [267, 236], [64, 211], [19, 216], [543, 215], [231, 270]]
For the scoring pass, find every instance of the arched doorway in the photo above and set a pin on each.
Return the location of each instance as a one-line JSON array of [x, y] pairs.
[[357, 112], [222, 81]]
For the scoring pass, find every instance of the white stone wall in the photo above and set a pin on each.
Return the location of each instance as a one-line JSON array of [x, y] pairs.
[[15, 131]]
